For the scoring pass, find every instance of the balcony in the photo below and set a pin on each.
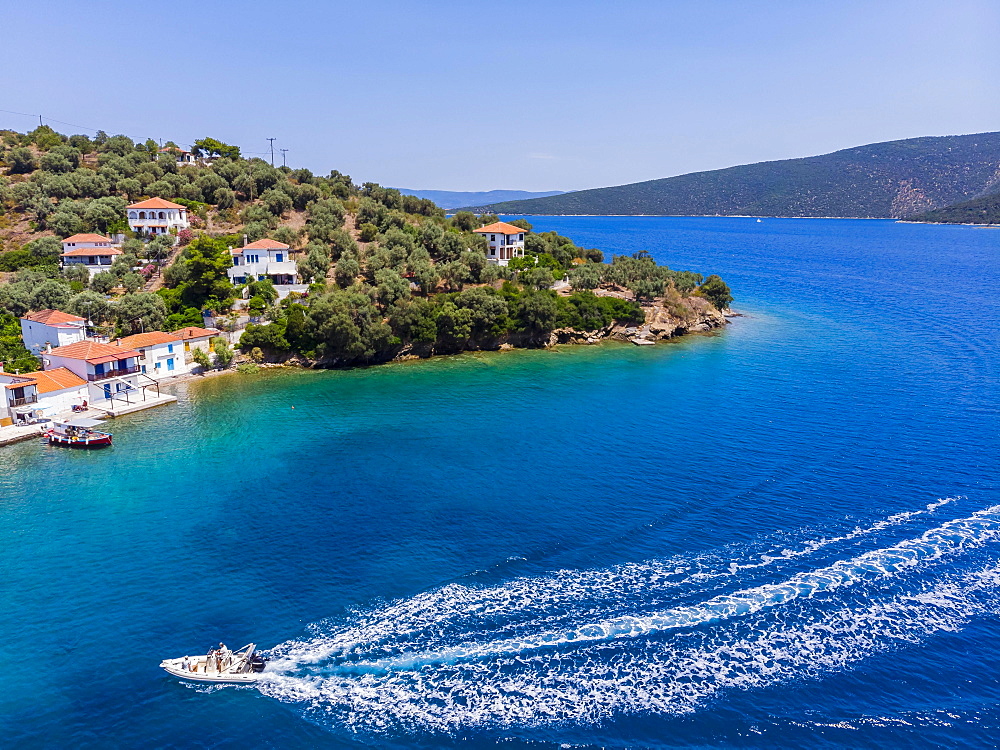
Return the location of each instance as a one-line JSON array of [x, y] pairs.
[[32, 399], [93, 377]]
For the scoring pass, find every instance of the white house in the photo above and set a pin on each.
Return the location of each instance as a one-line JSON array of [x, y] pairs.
[[161, 355], [112, 373], [263, 259], [93, 251], [183, 158], [156, 216], [45, 328], [40, 394], [505, 242], [194, 337]]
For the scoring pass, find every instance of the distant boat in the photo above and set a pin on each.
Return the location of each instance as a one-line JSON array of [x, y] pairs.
[[78, 433], [219, 665], [758, 221]]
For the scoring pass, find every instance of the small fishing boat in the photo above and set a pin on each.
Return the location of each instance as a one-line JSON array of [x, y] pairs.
[[78, 433], [219, 665]]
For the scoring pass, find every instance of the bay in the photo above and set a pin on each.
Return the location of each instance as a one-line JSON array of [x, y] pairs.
[[781, 534]]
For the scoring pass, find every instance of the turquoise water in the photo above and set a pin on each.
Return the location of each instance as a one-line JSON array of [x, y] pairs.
[[783, 534]]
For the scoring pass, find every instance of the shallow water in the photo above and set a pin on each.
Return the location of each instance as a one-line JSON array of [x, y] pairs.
[[783, 534]]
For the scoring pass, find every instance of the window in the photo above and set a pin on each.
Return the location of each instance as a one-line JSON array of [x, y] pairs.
[[170, 349], [278, 257], [144, 369], [156, 366], [493, 238], [162, 215], [187, 346], [493, 251]]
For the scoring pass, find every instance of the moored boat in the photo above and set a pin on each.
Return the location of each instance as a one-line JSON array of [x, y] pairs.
[[219, 665], [78, 433]]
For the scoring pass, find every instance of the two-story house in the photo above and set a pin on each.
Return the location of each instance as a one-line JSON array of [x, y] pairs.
[[94, 252], [39, 394], [263, 259], [156, 216], [161, 355], [111, 372], [505, 242], [45, 328]]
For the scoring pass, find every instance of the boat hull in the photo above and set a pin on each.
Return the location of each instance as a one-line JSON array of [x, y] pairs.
[[101, 441]]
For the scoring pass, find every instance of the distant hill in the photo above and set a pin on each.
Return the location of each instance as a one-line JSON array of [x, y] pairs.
[[881, 180], [455, 199], [985, 210]]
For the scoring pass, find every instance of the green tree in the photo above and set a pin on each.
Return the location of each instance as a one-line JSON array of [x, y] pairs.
[[139, 312], [224, 353], [21, 161], [213, 147], [717, 292], [536, 311], [585, 276], [465, 220], [90, 305], [50, 295], [201, 358], [369, 232], [104, 282], [536, 278]]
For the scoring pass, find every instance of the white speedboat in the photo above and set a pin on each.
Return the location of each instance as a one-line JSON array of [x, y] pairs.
[[219, 665]]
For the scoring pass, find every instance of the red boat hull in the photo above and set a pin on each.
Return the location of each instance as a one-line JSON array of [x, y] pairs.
[[102, 440]]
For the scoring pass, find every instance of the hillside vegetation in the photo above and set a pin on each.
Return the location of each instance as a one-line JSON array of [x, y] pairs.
[[387, 272], [883, 180], [985, 210]]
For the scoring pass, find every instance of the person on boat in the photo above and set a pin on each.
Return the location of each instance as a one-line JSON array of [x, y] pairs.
[[185, 665]]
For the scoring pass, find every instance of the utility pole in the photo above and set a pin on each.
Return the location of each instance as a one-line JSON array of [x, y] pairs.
[[272, 140], [283, 152], [39, 121]]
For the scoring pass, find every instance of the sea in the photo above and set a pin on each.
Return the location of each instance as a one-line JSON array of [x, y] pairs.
[[781, 534]]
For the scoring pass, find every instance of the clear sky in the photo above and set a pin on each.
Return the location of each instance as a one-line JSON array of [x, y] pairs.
[[517, 95]]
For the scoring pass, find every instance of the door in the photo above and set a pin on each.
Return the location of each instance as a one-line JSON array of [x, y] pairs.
[[170, 364], [107, 390]]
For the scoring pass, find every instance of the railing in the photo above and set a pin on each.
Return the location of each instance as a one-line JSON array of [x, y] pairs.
[[113, 373], [22, 401]]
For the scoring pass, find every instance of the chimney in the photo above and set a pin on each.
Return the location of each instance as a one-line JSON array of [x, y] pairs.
[[1, 366], [244, 240], [118, 342]]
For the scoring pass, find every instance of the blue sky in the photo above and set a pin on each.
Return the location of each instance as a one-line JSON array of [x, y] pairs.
[[528, 95]]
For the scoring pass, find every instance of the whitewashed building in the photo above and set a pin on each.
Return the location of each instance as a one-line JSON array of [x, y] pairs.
[[194, 337], [156, 216], [263, 259], [182, 157], [111, 372], [161, 355], [40, 394], [94, 252], [45, 328], [505, 242]]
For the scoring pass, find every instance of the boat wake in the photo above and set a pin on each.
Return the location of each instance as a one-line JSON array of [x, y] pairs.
[[663, 636]]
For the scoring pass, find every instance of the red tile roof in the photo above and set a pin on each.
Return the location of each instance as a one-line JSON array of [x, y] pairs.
[[87, 238], [500, 227], [56, 379], [150, 338], [79, 252], [194, 332], [55, 318], [155, 203], [264, 245], [92, 351]]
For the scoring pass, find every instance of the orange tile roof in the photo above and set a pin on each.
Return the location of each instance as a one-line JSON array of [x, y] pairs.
[[87, 238], [264, 245], [80, 252], [173, 150], [500, 227], [194, 332], [92, 350], [53, 318], [150, 338], [155, 203], [56, 379]]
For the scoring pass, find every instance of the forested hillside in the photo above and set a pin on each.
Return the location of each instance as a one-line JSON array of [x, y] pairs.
[[386, 270], [883, 180], [985, 210]]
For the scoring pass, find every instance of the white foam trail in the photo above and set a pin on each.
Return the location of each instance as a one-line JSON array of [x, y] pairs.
[[422, 618], [666, 678], [980, 528]]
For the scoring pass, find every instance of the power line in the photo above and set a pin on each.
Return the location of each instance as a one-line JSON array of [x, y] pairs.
[[272, 140]]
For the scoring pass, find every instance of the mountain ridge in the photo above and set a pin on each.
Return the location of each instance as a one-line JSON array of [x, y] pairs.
[[456, 198], [891, 179]]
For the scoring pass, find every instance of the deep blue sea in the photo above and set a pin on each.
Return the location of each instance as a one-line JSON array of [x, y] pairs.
[[783, 534]]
